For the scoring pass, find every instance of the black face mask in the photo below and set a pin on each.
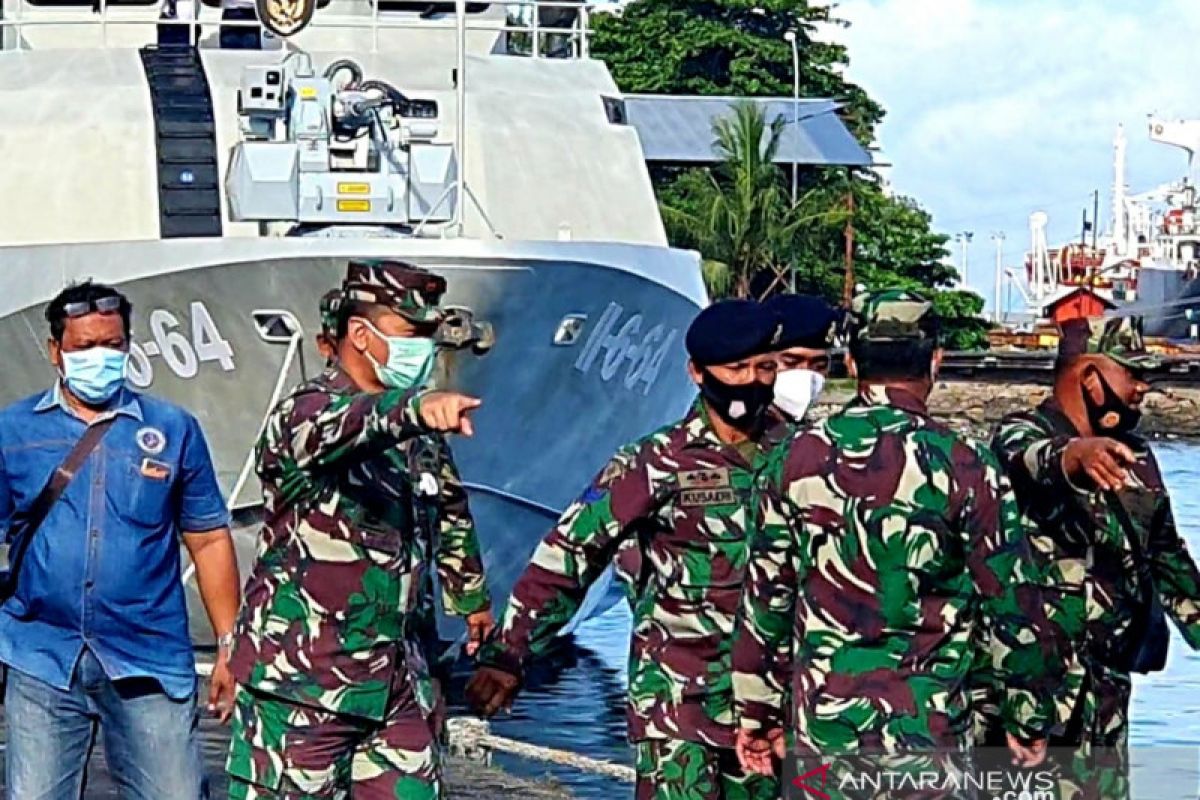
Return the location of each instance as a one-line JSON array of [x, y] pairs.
[[1110, 415], [742, 405]]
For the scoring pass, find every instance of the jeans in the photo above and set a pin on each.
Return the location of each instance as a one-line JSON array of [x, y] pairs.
[[150, 740]]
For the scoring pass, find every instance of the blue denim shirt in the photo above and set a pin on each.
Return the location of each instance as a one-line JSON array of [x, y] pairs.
[[104, 569]]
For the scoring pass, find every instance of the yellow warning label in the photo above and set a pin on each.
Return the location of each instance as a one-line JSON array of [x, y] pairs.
[[354, 188], [354, 205], [308, 93]]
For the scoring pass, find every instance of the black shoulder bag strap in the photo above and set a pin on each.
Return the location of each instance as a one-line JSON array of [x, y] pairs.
[[51, 492], [1150, 652]]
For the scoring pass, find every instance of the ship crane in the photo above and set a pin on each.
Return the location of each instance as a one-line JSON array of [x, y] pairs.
[[1044, 279], [1183, 133]]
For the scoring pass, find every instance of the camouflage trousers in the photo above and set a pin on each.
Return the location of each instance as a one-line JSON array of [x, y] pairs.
[[287, 751], [1093, 761], [675, 769], [1090, 758]]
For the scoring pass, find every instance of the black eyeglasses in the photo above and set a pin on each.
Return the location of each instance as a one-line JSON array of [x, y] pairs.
[[102, 305]]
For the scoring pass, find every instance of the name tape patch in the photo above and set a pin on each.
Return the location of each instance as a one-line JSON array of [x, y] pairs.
[[707, 497]]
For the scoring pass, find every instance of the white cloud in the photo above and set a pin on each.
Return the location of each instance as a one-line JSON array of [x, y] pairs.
[[997, 108]]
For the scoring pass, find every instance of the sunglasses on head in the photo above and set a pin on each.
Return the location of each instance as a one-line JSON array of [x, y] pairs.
[[101, 305]]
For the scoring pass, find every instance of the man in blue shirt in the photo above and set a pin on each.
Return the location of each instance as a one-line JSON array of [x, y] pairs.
[[96, 634]]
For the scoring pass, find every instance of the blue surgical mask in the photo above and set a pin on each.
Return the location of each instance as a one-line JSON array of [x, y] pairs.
[[94, 375], [409, 363]]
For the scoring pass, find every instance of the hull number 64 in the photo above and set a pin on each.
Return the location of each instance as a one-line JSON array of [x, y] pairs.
[[182, 346]]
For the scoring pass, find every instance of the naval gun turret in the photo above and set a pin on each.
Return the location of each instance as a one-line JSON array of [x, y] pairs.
[[322, 153]]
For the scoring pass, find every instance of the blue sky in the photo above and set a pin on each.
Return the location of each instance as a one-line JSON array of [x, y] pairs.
[[997, 108]]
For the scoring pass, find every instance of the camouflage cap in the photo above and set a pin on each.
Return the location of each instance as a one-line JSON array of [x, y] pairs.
[[1119, 338], [409, 290], [331, 303], [892, 315]]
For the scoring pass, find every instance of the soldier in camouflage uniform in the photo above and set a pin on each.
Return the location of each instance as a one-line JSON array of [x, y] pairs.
[[328, 308], [1081, 476], [444, 518], [334, 692], [802, 362], [677, 510], [894, 544]]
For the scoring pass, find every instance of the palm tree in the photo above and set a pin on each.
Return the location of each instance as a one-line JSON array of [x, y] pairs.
[[739, 215]]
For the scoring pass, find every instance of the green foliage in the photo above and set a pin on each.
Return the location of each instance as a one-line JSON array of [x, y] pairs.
[[738, 214], [962, 326], [728, 47]]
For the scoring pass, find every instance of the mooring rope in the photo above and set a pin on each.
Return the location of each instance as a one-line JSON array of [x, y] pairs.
[[473, 739]]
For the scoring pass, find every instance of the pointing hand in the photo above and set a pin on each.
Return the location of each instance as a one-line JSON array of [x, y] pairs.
[[1101, 460], [447, 411]]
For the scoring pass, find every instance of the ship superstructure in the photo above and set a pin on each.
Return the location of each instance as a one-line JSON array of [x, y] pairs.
[[1149, 258]]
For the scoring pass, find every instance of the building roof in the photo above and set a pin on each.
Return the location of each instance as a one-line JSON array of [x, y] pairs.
[[679, 129], [1067, 292]]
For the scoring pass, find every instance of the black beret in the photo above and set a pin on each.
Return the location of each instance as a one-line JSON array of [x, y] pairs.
[[807, 321], [730, 330]]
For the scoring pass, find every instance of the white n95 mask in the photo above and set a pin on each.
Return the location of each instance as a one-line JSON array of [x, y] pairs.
[[795, 391]]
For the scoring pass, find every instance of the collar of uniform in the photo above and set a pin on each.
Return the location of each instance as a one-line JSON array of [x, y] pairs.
[[126, 403], [700, 432], [879, 395], [336, 379], [1059, 422]]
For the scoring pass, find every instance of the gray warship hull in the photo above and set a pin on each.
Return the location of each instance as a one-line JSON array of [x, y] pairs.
[[588, 355]]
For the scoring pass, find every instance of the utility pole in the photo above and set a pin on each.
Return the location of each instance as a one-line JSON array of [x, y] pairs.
[[998, 238], [848, 279], [964, 239], [790, 37]]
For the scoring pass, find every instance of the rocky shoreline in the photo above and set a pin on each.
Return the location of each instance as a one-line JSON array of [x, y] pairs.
[[974, 407]]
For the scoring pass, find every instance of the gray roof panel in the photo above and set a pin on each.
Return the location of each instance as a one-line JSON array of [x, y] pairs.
[[678, 129]]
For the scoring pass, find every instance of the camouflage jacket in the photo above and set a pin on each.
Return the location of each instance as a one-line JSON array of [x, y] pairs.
[[677, 510], [1080, 543], [895, 551], [337, 598]]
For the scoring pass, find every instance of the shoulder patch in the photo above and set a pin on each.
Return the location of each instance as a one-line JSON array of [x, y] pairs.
[[592, 494]]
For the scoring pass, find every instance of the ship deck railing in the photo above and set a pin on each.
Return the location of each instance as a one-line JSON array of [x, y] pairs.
[[526, 31]]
